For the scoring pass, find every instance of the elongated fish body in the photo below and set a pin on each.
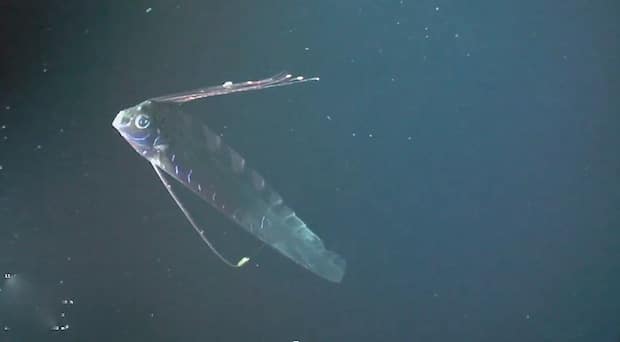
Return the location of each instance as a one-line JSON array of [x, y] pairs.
[[198, 158]]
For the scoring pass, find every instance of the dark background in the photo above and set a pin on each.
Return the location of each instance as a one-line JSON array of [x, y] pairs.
[[462, 155]]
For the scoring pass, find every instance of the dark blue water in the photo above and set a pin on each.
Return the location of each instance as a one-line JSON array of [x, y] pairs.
[[463, 157]]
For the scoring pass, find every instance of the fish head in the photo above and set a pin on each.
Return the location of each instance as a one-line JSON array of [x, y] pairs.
[[138, 126]]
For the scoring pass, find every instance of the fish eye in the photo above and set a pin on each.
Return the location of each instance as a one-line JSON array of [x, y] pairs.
[[142, 121]]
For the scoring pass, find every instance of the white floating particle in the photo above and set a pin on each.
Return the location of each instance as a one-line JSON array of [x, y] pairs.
[[38, 147], [307, 49], [7, 107], [409, 138], [44, 69], [370, 135], [353, 134], [1, 167], [328, 117], [148, 10], [3, 127], [437, 9], [456, 35]]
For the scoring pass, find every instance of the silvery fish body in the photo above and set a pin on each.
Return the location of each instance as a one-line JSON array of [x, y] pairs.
[[198, 158]]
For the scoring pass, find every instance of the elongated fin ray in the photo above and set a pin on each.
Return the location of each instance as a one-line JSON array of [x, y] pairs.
[[278, 80], [200, 232]]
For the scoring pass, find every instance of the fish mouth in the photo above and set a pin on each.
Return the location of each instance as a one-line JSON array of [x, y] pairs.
[[121, 120]]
